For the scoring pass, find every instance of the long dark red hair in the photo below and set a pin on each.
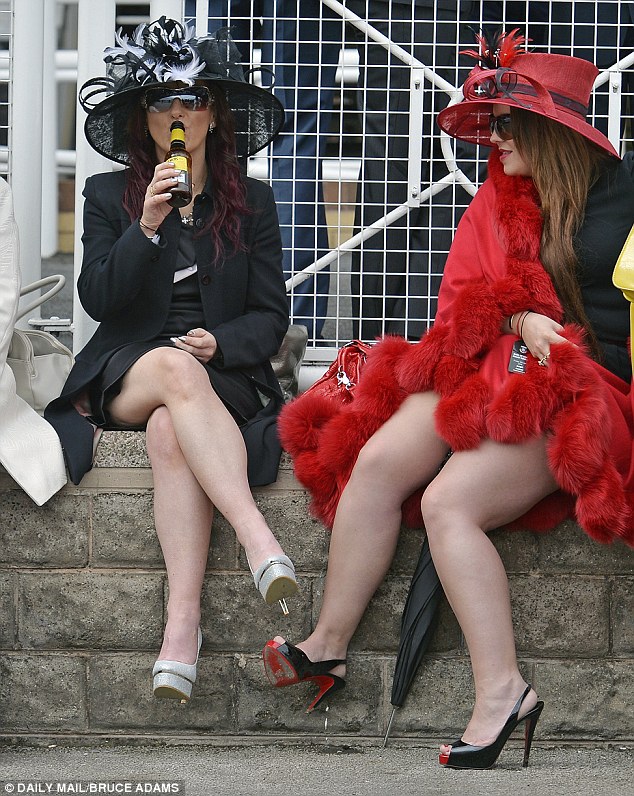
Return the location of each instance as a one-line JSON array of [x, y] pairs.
[[229, 192]]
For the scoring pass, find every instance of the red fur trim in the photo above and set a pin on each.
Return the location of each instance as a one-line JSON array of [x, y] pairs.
[[450, 373], [511, 296], [391, 346], [522, 409], [517, 211], [522, 225], [537, 289], [414, 370], [379, 391], [602, 508], [324, 437], [577, 450], [460, 417], [342, 440], [321, 484], [300, 422], [477, 321]]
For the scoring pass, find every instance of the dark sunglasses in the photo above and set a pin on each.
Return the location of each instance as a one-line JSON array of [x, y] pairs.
[[502, 126], [159, 100]]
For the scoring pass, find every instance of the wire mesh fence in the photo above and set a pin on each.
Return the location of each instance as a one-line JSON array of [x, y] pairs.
[[369, 192], [366, 188]]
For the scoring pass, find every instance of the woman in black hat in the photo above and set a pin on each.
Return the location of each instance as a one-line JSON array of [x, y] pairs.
[[191, 305]]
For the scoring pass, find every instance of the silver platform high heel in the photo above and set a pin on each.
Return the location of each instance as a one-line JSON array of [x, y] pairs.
[[275, 580], [173, 679]]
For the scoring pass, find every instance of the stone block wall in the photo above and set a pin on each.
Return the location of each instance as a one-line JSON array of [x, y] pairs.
[[82, 604]]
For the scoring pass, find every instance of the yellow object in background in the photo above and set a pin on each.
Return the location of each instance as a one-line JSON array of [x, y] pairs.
[[623, 278]]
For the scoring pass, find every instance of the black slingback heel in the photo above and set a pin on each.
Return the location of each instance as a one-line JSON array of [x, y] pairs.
[[286, 664], [463, 755]]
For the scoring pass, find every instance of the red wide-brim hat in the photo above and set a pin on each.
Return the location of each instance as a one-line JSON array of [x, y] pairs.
[[555, 86]]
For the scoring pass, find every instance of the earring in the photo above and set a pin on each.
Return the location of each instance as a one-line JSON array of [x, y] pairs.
[[212, 127], [146, 130]]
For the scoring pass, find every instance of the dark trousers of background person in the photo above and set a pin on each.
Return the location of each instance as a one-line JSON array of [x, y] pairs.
[[530, 16], [396, 273], [300, 42], [602, 33]]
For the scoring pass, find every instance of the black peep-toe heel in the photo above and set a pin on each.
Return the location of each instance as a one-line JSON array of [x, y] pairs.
[[286, 664], [463, 755]]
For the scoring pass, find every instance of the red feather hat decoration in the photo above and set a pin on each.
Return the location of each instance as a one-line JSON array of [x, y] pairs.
[[497, 49]]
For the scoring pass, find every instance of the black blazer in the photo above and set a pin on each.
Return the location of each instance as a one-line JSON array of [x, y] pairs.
[[126, 284]]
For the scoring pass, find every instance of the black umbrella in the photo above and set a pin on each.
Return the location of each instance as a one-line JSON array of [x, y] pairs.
[[416, 627]]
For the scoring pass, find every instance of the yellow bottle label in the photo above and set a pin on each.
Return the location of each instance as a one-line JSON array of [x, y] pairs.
[[179, 162], [177, 134]]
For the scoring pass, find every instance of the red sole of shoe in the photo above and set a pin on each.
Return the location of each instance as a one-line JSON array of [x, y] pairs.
[[278, 669]]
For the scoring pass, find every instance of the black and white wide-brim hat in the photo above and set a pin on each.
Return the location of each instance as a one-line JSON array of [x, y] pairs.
[[163, 52]]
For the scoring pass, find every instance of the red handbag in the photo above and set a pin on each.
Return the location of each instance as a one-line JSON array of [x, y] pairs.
[[341, 378]]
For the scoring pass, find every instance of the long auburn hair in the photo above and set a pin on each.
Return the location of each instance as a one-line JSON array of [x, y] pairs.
[[229, 198], [564, 167]]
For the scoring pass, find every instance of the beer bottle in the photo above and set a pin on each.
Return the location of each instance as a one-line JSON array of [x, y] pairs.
[[181, 160]]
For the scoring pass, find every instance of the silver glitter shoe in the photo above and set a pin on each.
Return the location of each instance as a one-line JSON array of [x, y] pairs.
[[173, 679], [275, 580]]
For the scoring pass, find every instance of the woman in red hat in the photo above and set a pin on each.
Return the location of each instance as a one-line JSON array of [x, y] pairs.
[[191, 305], [513, 410]]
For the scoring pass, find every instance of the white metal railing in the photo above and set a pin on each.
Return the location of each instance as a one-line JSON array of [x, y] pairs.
[[32, 120]]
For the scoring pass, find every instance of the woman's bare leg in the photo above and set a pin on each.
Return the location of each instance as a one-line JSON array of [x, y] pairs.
[[182, 515], [208, 437], [403, 454], [476, 492]]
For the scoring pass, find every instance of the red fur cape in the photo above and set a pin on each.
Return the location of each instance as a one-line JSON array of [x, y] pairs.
[[463, 358]]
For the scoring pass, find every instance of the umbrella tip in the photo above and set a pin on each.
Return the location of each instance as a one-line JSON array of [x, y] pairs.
[[389, 727]]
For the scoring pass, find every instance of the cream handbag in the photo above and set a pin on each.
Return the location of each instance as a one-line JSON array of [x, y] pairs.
[[40, 363], [623, 278]]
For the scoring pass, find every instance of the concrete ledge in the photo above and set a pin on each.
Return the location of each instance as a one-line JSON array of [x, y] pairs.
[[82, 602]]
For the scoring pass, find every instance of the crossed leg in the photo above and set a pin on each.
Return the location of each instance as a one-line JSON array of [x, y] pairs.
[[198, 461], [401, 456]]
